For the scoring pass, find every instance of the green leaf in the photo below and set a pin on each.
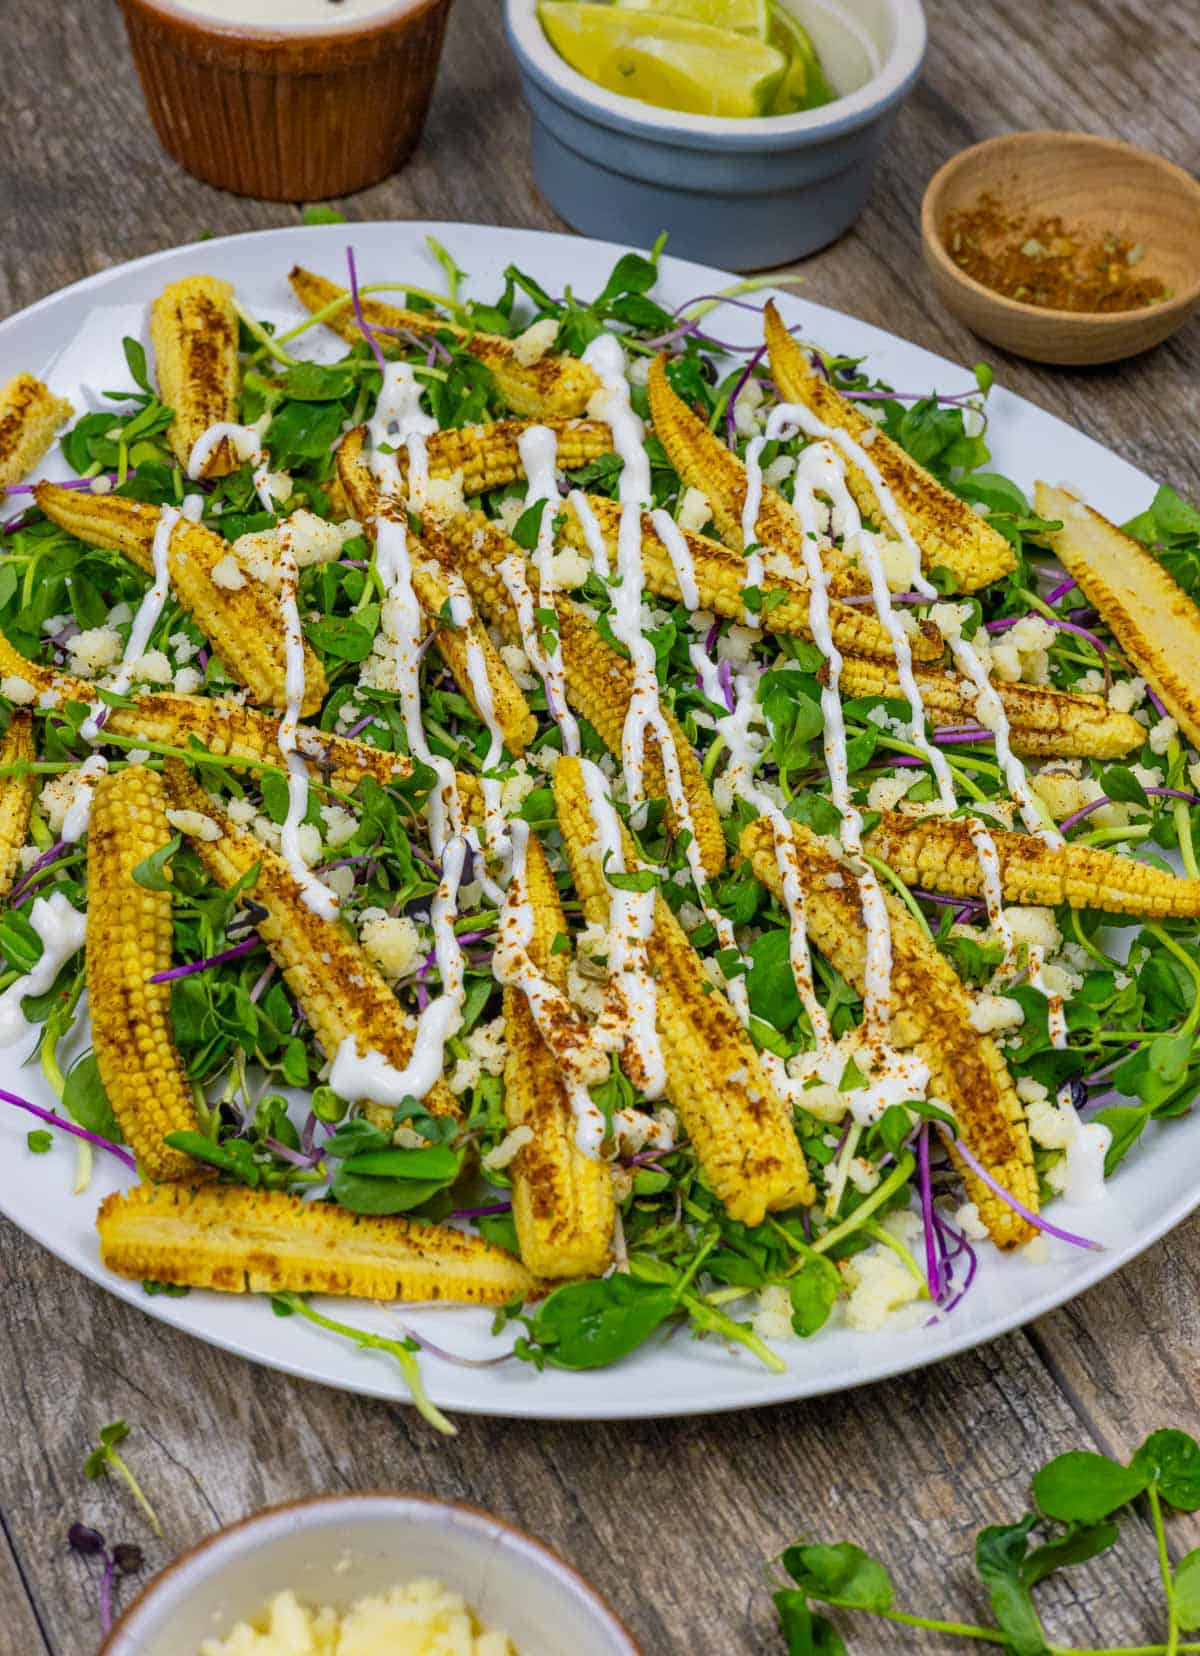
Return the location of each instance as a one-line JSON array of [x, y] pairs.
[[86, 1101], [39, 1141], [1077, 1546], [21, 945], [1171, 1460], [356, 1136], [631, 274], [151, 872], [235, 1156], [1187, 1591], [806, 1634], [312, 382], [303, 431], [1170, 527], [135, 361], [999, 1559], [1083, 1487], [342, 637], [322, 215], [586, 1325], [769, 981], [1126, 1123], [813, 1291], [1121, 784], [815, 812], [843, 1573], [365, 1193], [528, 526], [437, 1162]]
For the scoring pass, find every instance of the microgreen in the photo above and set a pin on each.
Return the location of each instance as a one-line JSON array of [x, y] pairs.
[[1080, 1499], [104, 1458]]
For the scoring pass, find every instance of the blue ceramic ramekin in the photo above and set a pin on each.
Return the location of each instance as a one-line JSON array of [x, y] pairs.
[[741, 193]]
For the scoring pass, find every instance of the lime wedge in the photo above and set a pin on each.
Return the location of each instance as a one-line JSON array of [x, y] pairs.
[[804, 84], [668, 61], [745, 17]]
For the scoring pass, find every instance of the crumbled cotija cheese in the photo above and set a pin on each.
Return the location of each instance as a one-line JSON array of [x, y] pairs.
[[422, 1618]]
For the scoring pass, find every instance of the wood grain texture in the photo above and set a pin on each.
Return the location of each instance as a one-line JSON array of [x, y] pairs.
[[674, 1521]]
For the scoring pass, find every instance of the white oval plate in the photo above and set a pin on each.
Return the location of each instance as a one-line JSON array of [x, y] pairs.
[[74, 337]]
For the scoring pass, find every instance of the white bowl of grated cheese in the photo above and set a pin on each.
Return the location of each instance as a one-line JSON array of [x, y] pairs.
[[372, 1575]]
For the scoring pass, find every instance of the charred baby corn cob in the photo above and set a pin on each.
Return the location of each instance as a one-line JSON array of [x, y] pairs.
[[338, 989], [938, 853], [562, 1200], [129, 936], [194, 331], [554, 388], [721, 579], [243, 626], [1153, 620], [1044, 722], [30, 414], [264, 1241], [945, 528], [741, 1130], [703, 462], [454, 644], [599, 682], [16, 796], [930, 1011], [488, 457], [224, 728]]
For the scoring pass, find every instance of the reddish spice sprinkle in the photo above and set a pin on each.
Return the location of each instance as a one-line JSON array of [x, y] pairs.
[[1042, 263]]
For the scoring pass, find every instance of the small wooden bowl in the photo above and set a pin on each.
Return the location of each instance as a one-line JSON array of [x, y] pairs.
[[1099, 187]]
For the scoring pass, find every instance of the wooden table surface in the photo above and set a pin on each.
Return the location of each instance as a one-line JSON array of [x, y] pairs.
[[674, 1521]]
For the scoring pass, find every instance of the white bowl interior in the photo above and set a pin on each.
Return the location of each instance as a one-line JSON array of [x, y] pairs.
[[336, 1551], [853, 38]]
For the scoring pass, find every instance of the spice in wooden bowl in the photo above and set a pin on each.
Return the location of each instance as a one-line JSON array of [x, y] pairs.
[[1042, 262]]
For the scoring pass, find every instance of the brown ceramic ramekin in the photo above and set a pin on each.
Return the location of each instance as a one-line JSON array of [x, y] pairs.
[[288, 114]]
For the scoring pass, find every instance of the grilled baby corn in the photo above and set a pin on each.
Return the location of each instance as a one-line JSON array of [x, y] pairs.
[[338, 989], [244, 626], [703, 462], [16, 796], [30, 414], [562, 1200], [721, 580], [1154, 621], [930, 1011], [599, 682], [194, 331], [938, 853], [456, 645], [222, 728], [945, 528], [488, 457], [1044, 722], [263, 1241], [129, 937], [554, 388], [740, 1128]]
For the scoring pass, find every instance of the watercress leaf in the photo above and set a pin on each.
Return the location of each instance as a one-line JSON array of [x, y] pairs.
[[363, 1193], [586, 1325], [135, 361], [303, 431], [355, 1137], [1187, 1591], [813, 1292], [1077, 1546], [631, 274], [21, 945], [999, 1557], [86, 1101], [320, 214], [342, 637], [806, 1633], [1121, 784], [770, 982], [1126, 1123], [311, 382], [1171, 1460], [151, 872], [1083, 1487], [437, 1162], [235, 1156], [528, 526], [815, 812], [841, 1572]]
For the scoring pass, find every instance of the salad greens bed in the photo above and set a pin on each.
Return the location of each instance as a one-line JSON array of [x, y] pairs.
[[1130, 1057]]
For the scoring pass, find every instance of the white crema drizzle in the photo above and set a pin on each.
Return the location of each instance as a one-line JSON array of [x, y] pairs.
[[62, 930], [538, 448]]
